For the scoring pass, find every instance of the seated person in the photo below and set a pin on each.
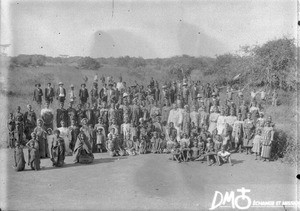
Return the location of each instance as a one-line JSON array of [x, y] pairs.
[[210, 152], [185, 151], [143, 145], [171, 143], [83, 150], [195, 152], [224, 157], [176, 154], [155, 142], [129, 145], [217, 142], [120, 145], [111, 146]]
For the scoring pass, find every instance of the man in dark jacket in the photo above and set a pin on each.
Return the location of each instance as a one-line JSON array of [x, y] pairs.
[[38, 94], [61, 114], [49, 93], [83, 94]]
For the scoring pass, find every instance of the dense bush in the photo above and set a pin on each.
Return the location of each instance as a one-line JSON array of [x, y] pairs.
[[88, 63], [27, 61], [285, 147], [131, 62]]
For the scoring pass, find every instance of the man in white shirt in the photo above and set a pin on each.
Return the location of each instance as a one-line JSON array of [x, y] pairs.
[[176, 117], [224, 157], [120, 85], [61, 93]]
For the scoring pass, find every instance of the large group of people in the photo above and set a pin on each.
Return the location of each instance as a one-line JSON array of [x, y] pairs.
[[184, 118]]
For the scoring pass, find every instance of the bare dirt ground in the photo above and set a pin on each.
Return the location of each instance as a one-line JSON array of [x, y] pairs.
[[143, 182]]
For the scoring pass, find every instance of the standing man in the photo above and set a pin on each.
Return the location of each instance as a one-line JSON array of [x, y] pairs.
[[72, 114], [136, 113], [194, 91], [47, 116], [165, 95], [38, 94], [110, 93], [185, 93], [83, 94], [173, 92], [156, 92], [61, 93], [49, 93], [165, 111], [61, 115], [19, 119], [94, 93], [120, 85], [29, 122], [176, 117], [72, 94]]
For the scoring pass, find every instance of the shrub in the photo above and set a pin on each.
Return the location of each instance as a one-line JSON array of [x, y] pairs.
[[27, 60], [88, 63]]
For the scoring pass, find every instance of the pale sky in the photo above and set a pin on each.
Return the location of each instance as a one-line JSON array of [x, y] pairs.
[[144, 28]]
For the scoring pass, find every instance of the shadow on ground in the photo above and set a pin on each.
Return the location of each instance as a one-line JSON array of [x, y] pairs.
[[95, 162]]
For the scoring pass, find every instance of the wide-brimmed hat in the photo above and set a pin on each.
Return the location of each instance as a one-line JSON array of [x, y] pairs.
[[60, 83], [125, 95]]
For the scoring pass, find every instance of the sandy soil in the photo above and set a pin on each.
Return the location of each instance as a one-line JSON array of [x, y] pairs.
[[143, 182]]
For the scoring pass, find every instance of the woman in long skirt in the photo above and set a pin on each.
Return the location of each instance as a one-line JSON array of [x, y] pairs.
[[213, 118], [41, 137], [19, 158], [268, 137], [257, 143], [248, 133], [33, 153], [58, 150]]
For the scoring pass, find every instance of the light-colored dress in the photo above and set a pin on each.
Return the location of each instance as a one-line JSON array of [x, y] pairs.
[[213, 118], [256, 143], [221, 124]]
